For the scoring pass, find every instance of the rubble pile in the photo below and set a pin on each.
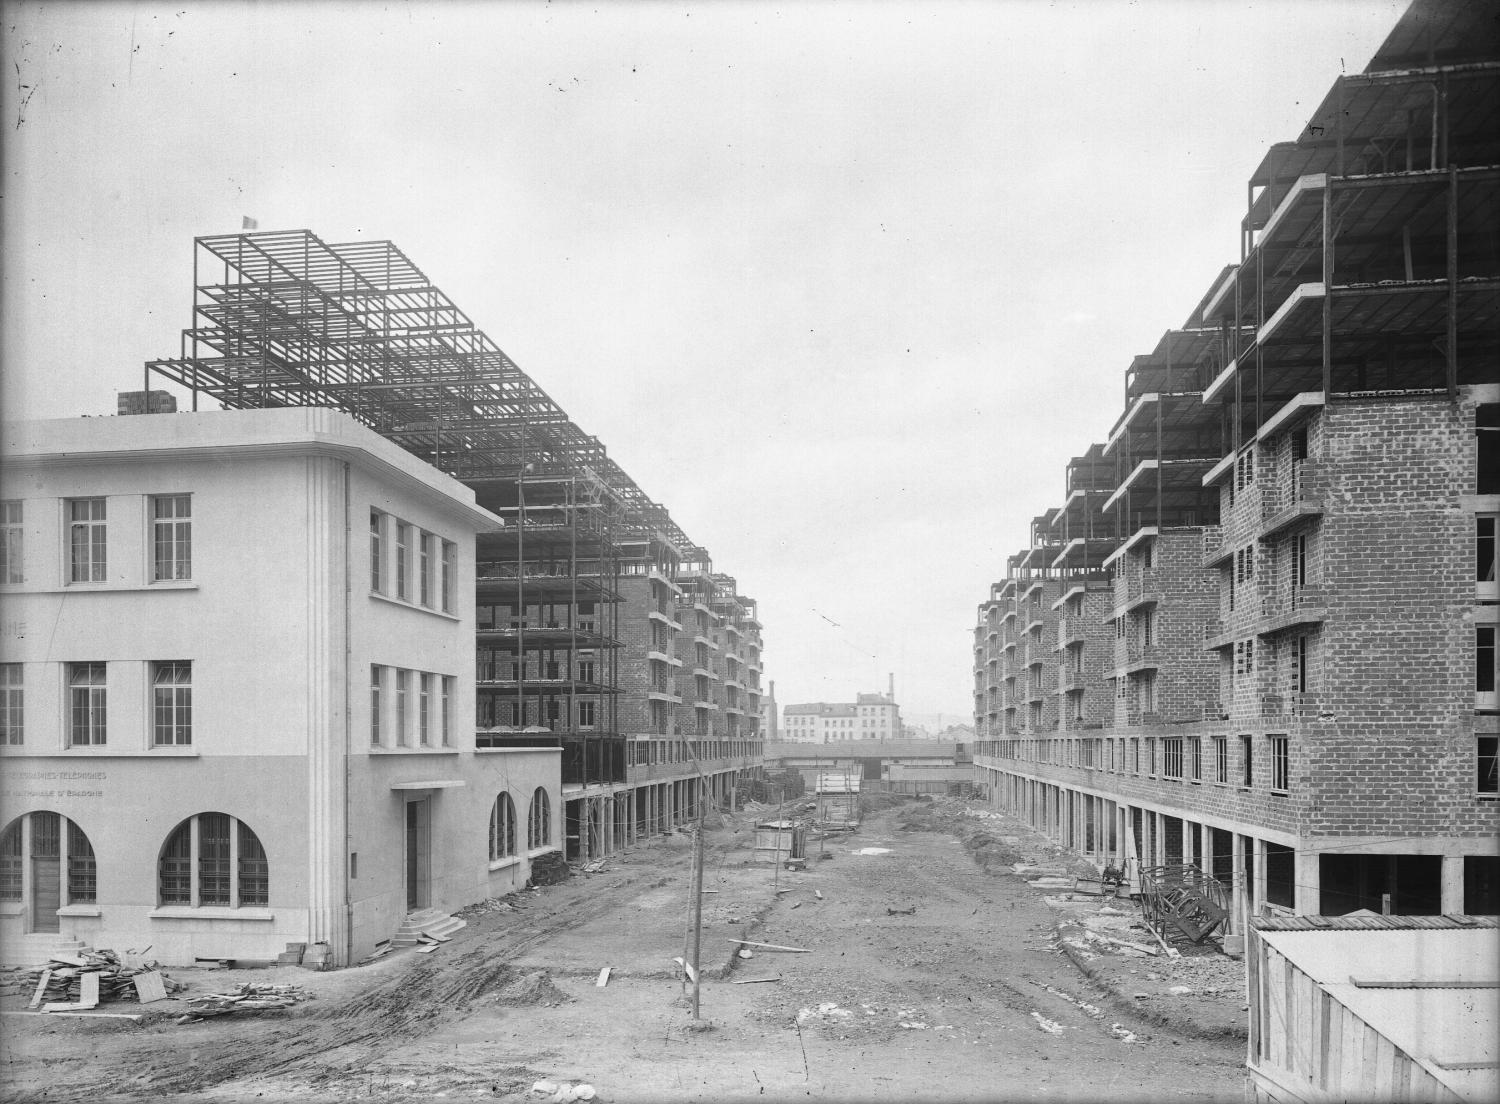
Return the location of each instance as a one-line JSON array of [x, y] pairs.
[[245, 998]]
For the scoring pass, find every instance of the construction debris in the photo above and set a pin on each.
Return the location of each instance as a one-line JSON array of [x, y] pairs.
[[770, 946], [603, 977], [563, 1093], [81, 981], [245, 998], [910, 911]]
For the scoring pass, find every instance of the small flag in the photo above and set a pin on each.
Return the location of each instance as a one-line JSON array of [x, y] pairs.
[[248, 223]]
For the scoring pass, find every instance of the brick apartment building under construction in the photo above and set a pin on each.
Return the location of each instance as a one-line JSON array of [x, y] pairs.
[[1258, 634], [602, 629]]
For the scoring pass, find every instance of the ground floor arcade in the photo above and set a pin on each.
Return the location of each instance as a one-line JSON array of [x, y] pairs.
[[1265, 870], [602, 818]]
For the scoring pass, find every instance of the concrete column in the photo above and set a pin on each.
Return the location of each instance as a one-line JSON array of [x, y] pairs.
[[1187, 842], [1259, 888], [1240, 893], [1307, 892], [1206, 849], [1452, 899]]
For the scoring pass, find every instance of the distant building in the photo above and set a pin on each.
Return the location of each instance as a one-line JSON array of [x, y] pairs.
[[868, 717]]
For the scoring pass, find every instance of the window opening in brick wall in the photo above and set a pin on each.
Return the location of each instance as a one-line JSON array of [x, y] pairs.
[[1484, 556], [1487, 765], [1487, 430], [1171, 757], [1247, 762], [1195, 758], [1244, 657], [1221, 759], [1484, 667], [1280, 765]]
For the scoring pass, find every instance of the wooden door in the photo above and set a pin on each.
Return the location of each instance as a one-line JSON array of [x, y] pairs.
[[46, 871], [413, 862]]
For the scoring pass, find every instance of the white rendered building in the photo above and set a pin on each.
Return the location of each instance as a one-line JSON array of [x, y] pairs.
[[868, 717], [237, 668]]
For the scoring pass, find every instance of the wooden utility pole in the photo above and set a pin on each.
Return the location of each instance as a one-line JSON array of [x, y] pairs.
[[698, 897]]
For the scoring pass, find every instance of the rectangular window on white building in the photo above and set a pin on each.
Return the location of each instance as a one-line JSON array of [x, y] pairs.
[[12, 705], [403, 682], [86, 540], [171, 703], [448, 684], [424, 709], [377, 551], [403, 558], [450, 574], [172, 537], [86, 705], [376, 673], [424, 567], [11, 569]]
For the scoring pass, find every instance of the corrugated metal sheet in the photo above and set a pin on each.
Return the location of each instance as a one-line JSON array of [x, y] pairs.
[[1441, 1029]]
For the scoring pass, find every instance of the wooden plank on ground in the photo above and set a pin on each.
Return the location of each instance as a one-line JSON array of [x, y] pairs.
[[70, 960], [79, 1015], [603, 977], [41, 987], [428, 948], [771, 946], [149, 987], [89, 990], [755, 981]]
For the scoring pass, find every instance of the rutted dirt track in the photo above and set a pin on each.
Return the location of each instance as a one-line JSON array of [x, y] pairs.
[[964, 998]]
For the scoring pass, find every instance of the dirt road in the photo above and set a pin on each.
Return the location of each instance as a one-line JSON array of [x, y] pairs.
[[927, 978]]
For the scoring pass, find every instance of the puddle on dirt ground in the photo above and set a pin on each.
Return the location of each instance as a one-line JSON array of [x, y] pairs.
[[872, 851]]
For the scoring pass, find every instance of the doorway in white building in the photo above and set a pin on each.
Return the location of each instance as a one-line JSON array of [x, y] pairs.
[[418, 854]]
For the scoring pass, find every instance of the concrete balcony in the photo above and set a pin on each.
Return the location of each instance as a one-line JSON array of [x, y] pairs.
[[1298, 704], [1297, 496], [1297, 606]]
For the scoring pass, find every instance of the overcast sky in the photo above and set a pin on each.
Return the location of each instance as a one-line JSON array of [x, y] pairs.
[[844, 285]]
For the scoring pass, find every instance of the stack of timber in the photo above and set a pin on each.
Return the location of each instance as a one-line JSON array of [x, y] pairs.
[[244, 998], [81, 981]]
